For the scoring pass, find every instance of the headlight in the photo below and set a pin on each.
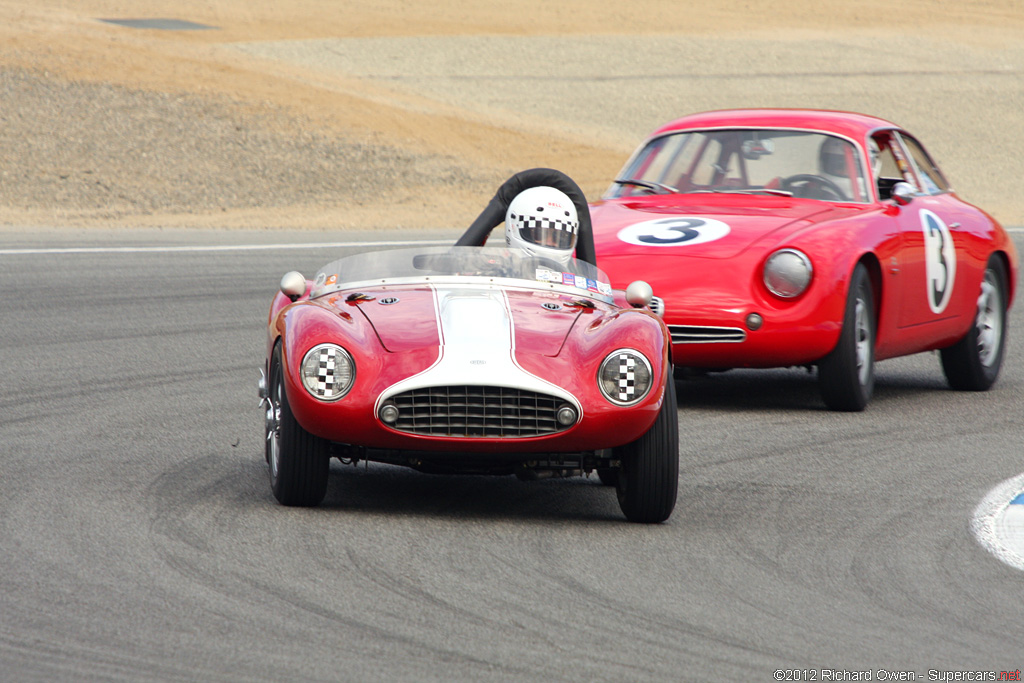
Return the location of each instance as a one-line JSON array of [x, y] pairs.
[[327, 372], [625, 377], [787, 273]]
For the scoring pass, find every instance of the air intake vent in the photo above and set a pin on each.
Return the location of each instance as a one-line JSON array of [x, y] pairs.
[[694, 334], [477, 412]]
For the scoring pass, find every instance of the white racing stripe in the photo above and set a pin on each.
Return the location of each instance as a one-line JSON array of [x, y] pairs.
[[998, 522], [477, 335], [222, 247]]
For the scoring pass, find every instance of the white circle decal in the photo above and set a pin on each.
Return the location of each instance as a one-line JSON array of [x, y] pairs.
[[677, 231], [939, 261]]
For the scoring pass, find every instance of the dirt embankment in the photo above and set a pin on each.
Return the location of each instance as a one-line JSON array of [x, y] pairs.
[[101, 124]]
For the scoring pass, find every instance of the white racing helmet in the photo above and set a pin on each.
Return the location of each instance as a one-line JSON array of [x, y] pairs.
[[542, 221]]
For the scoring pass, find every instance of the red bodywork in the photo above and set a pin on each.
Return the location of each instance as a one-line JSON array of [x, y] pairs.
[[718, 283], [392, 343]]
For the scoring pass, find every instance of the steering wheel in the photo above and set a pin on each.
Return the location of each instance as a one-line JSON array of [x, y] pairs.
[[812, 186]]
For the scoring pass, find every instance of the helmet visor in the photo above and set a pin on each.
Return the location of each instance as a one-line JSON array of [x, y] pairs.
[[545, 232]]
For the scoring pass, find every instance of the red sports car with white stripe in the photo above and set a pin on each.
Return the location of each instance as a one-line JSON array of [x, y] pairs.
[[781, 238], [470, 359]]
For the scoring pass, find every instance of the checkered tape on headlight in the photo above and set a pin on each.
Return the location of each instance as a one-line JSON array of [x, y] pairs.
[[327, 372], [625, 377]]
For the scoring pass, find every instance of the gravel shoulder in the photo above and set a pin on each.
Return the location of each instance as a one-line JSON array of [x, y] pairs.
[[384, 114]]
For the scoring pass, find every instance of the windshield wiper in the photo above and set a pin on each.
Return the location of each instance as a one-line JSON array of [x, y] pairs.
[[657, 188], [746, 190], [757, 190]]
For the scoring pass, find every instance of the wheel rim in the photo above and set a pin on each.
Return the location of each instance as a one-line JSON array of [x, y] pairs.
[[989, 323], [862, 340], [274, 428]]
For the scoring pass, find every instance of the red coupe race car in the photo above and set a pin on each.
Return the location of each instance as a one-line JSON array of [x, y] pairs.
[[474, 360], [778, 238]]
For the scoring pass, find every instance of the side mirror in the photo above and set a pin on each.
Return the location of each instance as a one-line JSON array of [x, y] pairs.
[[902, 193], [293, 285], [639, 294]]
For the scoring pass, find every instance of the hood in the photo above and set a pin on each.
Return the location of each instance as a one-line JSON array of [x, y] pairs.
[[476, 323], [479, 333], [713, 226]]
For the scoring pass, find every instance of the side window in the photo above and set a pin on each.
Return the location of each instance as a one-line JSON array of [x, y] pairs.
[[889, 165], [930, 175]]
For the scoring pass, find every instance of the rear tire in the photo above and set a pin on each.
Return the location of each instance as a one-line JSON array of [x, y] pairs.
[[648, 480], [846, 376], [973, 363], [299, 461]]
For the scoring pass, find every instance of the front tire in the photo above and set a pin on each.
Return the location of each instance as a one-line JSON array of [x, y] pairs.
[[973, 363], [299, 461], [846, 376], [648, 480]]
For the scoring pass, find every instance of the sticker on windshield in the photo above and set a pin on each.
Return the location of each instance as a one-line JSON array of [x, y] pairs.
[[678, 231], [545, 275], [573, 280], [939, 259]]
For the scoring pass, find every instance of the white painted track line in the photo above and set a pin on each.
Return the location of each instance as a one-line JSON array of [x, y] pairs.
[[221, 247], [998, 522]]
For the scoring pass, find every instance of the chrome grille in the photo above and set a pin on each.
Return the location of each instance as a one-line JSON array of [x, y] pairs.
[[658, 305], [695, 334], [476, 411]]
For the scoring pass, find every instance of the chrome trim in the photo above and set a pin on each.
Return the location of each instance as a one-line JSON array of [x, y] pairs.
[[468, 411], [805, 261], [627, 394], [700, 334], [324, 387]]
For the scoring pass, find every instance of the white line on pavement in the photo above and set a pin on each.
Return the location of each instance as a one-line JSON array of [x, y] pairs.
[[221, 247], [989, 523]]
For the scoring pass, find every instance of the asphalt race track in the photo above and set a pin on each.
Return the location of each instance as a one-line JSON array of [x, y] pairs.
[[140, 540]]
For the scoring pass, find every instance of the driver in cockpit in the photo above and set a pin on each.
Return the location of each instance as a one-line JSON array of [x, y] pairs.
[[836, 161], [542, 222]]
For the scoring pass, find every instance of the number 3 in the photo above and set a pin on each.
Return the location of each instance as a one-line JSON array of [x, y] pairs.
[[672, 232]]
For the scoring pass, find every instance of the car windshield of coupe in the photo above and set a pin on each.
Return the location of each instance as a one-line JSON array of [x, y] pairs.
[[479, 265], [747, 161]]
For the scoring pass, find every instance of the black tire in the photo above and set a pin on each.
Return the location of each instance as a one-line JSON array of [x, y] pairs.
[[609, 476], [299, 461], [846, 376], [973, 363], [648, 480]]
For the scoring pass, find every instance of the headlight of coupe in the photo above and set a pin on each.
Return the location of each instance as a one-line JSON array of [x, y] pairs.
[[625, 377], [787, 273], [327, 372]]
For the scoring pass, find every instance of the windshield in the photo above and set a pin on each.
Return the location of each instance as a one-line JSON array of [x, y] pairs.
[[482, 265], [749, 161]]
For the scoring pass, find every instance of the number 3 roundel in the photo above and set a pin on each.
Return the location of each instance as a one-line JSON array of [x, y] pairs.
[[940, 261], [678, 231]]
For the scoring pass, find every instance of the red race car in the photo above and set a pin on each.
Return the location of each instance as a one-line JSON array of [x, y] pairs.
[[474, 360], [779, 238]]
